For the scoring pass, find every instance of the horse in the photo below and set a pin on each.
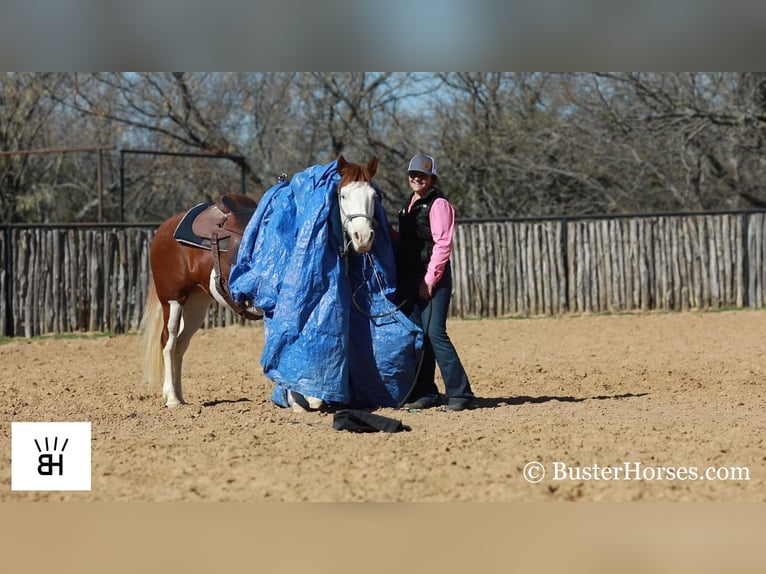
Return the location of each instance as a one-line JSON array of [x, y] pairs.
[[189, 273]]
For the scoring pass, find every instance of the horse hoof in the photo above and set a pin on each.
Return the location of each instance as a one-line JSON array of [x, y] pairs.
[[315, 403], [303, 404]]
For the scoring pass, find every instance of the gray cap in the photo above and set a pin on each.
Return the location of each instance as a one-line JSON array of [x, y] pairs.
[[423, 163]]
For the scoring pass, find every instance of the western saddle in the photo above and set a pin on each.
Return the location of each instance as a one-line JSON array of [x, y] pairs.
[[218, 227]]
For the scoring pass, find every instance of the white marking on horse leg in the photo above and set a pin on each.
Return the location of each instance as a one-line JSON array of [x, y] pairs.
[[192, 317], [296, 407], [315, 403], [302, 403], [169, 354]]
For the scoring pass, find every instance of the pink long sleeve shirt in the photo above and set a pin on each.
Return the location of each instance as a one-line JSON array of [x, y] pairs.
[[442, 220]]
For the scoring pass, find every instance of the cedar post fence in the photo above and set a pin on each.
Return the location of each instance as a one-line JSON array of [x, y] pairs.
[[673, 262], [77, 278], [85, 278]]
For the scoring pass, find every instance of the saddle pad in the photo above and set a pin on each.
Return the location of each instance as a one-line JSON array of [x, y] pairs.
[[185, 235]]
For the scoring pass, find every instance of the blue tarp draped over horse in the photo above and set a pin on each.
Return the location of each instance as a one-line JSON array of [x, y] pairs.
[[317, 342]]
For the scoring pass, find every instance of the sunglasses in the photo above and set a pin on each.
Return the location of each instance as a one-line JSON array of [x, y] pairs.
[[418, 175]]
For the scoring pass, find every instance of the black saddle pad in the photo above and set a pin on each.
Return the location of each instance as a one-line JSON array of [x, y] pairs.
[[184, 233]]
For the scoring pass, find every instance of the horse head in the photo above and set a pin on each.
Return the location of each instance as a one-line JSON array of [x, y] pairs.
[[356, 199]]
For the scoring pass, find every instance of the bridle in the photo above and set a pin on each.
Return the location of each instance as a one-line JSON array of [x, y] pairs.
[[395, 309], [348, 218]]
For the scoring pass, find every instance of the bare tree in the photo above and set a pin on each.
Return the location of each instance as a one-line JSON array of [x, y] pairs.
[[25, 123], [279, 122], [362, 114], [509, 144], [541, 144], [682, 141]]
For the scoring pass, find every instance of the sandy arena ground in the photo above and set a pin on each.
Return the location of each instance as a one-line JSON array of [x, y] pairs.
[[679, 391]]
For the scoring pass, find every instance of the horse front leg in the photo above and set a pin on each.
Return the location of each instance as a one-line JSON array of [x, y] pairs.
[[300, 403]]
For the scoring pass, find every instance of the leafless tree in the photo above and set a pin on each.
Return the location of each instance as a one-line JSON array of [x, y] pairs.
[[681, 141], [26, 114], [508, 143], [540, 144], [278, 122]]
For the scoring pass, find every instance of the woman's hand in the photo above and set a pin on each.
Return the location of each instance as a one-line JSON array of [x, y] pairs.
[[425, 291]]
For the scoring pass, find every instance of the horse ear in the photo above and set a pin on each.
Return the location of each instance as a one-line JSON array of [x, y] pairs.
[[372, 165], [341, 162]]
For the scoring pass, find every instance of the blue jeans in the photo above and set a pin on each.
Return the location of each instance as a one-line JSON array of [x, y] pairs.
[[431, 315]]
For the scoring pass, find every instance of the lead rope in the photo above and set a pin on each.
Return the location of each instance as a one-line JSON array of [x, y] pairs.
[[377, 278], [368, 258], [420, 361]]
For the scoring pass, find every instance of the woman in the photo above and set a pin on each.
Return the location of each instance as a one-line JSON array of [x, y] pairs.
[[426, 227]]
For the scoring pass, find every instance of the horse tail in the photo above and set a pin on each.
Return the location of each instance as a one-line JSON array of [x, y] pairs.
[[152, 324]]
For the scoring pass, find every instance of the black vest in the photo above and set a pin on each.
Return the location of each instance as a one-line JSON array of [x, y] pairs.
[[415, 241]]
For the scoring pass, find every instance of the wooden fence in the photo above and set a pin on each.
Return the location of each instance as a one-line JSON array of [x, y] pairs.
[[60, 279], [668, 262], [76, 279]]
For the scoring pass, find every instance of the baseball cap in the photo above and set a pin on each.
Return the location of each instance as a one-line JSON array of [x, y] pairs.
[[423, 163]]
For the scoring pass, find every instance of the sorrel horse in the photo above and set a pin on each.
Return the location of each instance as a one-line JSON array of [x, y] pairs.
[[188, 275]]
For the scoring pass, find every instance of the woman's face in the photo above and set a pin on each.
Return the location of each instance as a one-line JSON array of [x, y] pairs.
[[420, 182]]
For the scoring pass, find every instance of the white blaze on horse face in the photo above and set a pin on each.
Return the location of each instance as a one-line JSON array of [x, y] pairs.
[[357, 211]]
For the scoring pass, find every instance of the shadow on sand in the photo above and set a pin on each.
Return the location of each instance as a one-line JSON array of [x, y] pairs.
[[226, 401], [492, 402], [478, 403]]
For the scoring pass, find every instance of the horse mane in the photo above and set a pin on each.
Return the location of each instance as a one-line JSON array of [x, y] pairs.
[[356, 172]]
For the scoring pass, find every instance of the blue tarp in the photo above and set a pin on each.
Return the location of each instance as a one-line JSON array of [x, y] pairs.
[[316, 340]]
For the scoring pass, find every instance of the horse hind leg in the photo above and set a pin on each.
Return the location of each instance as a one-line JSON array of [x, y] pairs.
[[194, 313], [183, 321], [171, 383]]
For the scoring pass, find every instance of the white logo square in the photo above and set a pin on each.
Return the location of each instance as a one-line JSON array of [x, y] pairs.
[[50, 456]]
